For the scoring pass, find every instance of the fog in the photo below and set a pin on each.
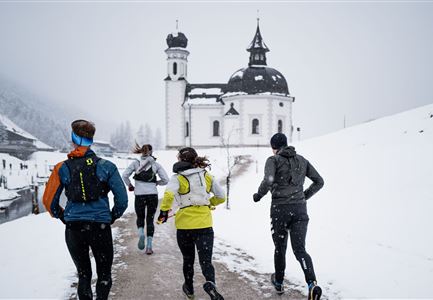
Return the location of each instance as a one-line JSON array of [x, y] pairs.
[[105, 60]]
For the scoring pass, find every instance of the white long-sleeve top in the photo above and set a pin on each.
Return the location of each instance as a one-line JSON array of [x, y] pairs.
[[141, 187]]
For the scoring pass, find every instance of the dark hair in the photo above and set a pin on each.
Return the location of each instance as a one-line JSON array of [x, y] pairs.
[[146, 149], [189, 154], [83, 128]]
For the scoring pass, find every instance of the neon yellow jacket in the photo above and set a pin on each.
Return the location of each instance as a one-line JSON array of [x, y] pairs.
[[192, 217]]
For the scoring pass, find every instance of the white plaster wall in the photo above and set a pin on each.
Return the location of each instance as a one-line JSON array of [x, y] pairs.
[[202, 118], [175, 124]]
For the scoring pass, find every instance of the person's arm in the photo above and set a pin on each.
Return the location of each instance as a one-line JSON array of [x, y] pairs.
[[53, 190], [128, 172], [317, 181], [219, 195], [167, 201], [163, 177], [118, 189], [268, 179], [170, 191]]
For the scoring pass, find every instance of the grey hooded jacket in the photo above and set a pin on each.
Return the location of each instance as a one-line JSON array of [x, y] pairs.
[[145, 188], [285, 175]]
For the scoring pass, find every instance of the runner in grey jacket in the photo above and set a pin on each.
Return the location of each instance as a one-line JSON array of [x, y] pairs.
[[146, 170], [285, 174]]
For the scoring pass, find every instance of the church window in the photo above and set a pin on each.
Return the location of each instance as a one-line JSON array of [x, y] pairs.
[[174, 68], [257, 57], [280, 126], [187, 129], [216, 128], [255, 126]]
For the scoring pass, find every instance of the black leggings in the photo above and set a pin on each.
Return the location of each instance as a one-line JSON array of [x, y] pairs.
[[141, 202], [80, 236], [293, 219], [188, 239]]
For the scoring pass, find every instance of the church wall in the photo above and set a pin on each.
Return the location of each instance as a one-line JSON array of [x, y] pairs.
[[175, 124], [202, 118]]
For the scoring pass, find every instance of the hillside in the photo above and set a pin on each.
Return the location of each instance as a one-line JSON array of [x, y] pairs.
[[369, 226], [47, 123]]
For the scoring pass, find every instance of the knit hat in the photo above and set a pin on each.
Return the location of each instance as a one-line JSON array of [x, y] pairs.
[[278, 141], [82, 132]]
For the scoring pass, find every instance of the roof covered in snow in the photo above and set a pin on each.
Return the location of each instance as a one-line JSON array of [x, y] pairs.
[[12, 127], [257, 80], [204, 94]]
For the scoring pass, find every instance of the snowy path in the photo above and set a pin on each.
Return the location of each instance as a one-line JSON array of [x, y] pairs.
[[159, 276]]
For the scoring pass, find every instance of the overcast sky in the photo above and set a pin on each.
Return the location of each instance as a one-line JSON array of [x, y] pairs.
[[361, 60]]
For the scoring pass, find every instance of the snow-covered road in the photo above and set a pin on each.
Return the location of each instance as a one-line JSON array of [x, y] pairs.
[[159, 276]]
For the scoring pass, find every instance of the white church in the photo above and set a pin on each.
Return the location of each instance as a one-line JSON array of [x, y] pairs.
[[246, 111]]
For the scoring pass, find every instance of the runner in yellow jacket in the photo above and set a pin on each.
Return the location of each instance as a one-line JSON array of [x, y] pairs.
[[192, 186]]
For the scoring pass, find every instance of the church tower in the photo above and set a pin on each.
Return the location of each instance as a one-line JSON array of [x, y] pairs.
[[175, 86]]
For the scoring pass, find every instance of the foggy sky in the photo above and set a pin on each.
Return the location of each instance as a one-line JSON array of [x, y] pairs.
[[361, 60]]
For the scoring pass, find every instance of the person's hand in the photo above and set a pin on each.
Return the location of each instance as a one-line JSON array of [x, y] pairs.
[[113, 218], [163, 216], [131, 188], [256, 197], [62, 217]]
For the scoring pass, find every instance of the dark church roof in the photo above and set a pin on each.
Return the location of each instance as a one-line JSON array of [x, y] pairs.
[[256, 80], [232, 111], [177, 40]]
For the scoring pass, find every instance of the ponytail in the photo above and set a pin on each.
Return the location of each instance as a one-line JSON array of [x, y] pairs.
[[144, 150]]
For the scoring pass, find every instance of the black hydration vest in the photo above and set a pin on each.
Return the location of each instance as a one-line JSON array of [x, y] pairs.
[[146, 176], [84, 186]]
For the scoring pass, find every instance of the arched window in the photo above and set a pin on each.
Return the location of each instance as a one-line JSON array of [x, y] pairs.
[[174, 68], [256, 57], [280, 126], [187, 129], [216, 128], [255, 126]]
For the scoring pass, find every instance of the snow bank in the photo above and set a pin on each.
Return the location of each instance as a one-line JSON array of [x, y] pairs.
[[34, 260], [369, 226]]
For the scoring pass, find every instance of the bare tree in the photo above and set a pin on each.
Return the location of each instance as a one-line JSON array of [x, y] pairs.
[[232, 161]]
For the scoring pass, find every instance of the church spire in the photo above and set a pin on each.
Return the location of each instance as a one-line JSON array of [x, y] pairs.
[[257, 48]]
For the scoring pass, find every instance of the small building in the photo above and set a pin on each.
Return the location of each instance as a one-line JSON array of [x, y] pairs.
[[103, 148], [17, 142]]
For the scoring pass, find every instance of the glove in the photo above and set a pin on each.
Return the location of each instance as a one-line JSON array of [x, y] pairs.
[[62, 217], [256, 197], [163, 216], [113, 218], [131, 188]]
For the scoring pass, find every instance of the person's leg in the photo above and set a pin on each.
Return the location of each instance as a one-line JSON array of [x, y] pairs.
[[298, 233], [151, 204], [140, 207], [186, 246], [204, 242], [78, 247], [102, 248], [279, 221]]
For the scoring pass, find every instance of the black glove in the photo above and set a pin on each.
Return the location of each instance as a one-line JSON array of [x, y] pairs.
[[113, 218], [62, 217], [163, 216], [256, 197]]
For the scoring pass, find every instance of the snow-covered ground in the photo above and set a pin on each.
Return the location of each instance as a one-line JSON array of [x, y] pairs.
[[369, 226], [369, 232]]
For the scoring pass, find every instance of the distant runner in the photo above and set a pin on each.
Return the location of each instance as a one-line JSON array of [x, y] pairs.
[[285, 174], [146, 195]]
